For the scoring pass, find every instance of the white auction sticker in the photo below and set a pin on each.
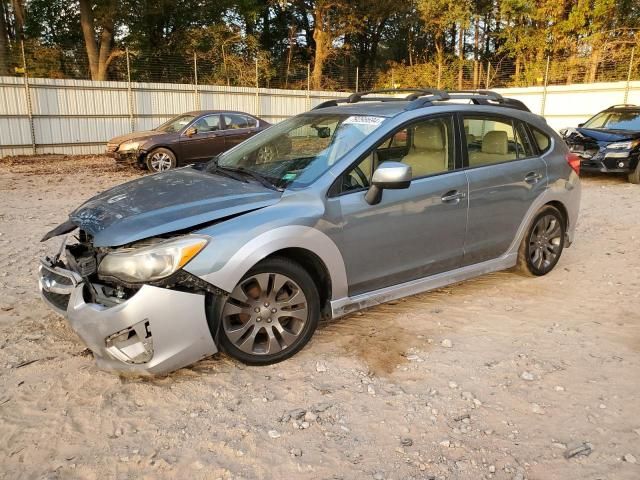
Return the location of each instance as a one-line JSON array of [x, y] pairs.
[[364, 120]]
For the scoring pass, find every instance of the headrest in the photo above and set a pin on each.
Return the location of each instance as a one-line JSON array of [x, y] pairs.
[[428, 137], [495, 142]]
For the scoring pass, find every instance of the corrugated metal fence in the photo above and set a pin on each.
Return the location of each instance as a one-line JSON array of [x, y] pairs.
[[79, 116]]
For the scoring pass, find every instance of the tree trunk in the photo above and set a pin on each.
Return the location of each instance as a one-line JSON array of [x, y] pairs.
[[460, 57], [99, 55], [322, 39], [18, 14], [4, 41], [439, 57], [593, 67], [476, 52]]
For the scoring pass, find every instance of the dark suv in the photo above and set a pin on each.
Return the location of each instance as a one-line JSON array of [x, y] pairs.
[[609, 142], [188, 138]]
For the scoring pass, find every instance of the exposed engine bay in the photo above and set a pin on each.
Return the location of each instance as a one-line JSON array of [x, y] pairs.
[[78, 254]]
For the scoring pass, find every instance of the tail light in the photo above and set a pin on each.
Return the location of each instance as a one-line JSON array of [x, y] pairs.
[[574, 162]]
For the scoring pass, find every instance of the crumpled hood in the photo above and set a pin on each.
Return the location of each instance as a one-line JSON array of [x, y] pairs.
[[601, 137], [166, 202]]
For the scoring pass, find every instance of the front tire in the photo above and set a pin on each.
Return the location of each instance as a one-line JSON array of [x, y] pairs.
[[160, 160], [271, 314], [634, 177], [543, 243]]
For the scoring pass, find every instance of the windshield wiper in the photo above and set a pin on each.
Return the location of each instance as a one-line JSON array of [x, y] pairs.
[[256, 176], [226, 171]]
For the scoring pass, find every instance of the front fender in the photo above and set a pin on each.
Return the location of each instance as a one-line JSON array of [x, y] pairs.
[[260, 247]]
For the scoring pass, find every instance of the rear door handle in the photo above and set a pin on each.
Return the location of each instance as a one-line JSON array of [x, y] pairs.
[[532, 177], [453, 196]]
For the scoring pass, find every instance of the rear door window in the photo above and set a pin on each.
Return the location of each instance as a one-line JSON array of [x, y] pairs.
[[235, 121], [490, 140]]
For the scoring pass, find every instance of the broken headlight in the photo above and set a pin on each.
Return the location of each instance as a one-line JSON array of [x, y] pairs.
[[129, 146], [627, 145], [152, 262]]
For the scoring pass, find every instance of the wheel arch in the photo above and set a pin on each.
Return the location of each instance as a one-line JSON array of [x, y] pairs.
[[562, 209], [306, 245], [313, 264]]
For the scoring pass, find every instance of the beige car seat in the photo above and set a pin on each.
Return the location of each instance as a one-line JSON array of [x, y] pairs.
[[428, 154], [495, 148]]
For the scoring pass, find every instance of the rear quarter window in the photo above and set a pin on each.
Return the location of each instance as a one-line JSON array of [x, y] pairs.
[[542, 139]]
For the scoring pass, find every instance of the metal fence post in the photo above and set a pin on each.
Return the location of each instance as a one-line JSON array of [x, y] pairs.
[[544, 88], [27, 96], [357, 77], [308, 86], [628, 86], [195, 78], [488, 75], [129, 92], [258, 112]]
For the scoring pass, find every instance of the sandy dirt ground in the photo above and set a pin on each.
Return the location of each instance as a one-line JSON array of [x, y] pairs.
[[498, 377]]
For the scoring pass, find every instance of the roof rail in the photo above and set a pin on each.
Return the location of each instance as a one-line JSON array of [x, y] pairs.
[[424, 97], [362, 96], [622, 105]]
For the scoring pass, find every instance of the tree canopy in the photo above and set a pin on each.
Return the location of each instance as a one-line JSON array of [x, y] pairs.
[[328, 43]]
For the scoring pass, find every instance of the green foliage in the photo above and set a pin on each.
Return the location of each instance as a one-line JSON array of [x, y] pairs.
[[406, 42]]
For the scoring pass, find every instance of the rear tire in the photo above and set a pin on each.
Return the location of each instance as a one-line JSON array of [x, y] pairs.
[[271, 314], [160, 160], [543, 243], [634, 177]]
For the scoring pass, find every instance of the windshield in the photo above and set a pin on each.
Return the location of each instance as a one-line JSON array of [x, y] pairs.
[[615, 121], [175, 124], [297, 151]]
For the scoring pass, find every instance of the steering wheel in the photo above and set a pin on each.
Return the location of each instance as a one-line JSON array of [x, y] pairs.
[[364, 180], [350, 181]]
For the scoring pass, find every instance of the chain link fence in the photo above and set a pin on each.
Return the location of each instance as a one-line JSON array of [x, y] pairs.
[[48, 103], [338, 74]]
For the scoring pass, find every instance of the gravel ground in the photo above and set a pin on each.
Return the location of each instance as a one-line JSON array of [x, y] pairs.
[[499, 377]]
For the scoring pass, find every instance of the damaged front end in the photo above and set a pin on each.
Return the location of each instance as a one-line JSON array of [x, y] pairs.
[[134, 306]]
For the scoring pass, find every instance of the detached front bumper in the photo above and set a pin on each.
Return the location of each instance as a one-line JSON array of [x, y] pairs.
[[156, 331]]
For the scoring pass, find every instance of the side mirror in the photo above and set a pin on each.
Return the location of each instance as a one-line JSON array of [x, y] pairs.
[[388, 175], [581, 125], [191, 131]]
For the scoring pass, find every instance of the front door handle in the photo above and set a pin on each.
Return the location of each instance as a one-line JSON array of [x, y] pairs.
[[453, 196], [532, 177]]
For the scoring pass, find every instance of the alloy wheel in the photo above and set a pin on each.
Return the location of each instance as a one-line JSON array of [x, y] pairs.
[[160, 162], [265, 314], [545, 242], [266, 154]]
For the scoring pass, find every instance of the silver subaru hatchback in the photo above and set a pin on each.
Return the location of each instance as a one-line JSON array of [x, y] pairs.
[[357, 202]]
